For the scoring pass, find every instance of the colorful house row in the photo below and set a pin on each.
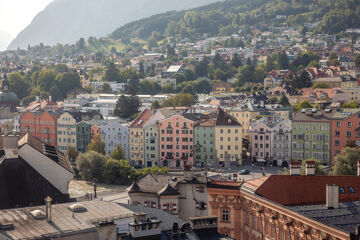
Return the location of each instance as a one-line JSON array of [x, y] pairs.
[[174, 137]]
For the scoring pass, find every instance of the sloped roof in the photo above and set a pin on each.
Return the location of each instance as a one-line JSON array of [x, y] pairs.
[[168, 190], [141, 120], [302, 190], [224, 119], [48, 150]]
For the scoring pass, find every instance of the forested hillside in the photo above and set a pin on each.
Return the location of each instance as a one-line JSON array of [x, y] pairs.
[[225, 18]]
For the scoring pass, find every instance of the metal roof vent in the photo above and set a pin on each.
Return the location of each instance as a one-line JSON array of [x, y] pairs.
[[77, 207], [38, 214]]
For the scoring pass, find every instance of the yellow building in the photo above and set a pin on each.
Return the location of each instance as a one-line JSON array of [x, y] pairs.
[[228, 140], [136, 138], [66, 132], [244, 118], [84, 80], [349, 84]]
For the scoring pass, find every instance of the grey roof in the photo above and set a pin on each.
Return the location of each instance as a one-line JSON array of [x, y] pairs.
[[345, 218], [22, 225], [166, 219]]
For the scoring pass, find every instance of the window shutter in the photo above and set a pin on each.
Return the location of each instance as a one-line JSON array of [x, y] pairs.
[[145, 203], [197, 205], [164, 207], [174, 207], [205, 205], [153, 204], [197, 188]]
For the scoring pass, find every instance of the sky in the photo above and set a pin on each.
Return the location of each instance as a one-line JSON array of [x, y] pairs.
[[15, 15]]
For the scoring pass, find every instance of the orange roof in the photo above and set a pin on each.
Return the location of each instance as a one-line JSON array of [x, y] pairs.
[[141, 120], [304, 190]]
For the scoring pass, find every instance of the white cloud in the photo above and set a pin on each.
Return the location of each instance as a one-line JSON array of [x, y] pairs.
[[15, 15]]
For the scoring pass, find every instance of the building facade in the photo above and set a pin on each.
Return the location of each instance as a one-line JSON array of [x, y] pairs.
[[151, 145], [204, 143], [113, 133], [176, 141], [228, 139], [345, 128], [66, 132], [40, 124], [83, 136], [311, 130]]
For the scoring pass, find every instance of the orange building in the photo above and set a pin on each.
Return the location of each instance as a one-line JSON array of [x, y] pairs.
[[40, 124], [285, 207], [345, 127]]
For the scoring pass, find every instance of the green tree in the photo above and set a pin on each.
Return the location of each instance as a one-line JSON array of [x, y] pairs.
[[68, 81], [72, 153], [302, 104], [273, 100], [320, 85], [284, 100], [118, 153], [179, 100], [333, 59], [18, 85], [46, 79], [60, 68], [105, 88], [155, 105], [352, 104], [236, 61], [127, 106], [112, 73], [357, 60], [283, 60], [345, 163], [97, 145], [90, 165]]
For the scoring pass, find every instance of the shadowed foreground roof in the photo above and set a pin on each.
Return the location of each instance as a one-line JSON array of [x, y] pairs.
[[22, 225]]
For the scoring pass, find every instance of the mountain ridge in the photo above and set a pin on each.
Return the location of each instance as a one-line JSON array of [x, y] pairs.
[[66, 21]]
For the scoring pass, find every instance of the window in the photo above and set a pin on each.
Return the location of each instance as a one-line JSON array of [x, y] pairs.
[[225, 215], [341, 190], [337, 143], [349, 124], [351, 189], [348, 133], [337, 133]]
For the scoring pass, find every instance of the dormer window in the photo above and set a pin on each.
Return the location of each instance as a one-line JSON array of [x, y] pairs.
[[341, 190]]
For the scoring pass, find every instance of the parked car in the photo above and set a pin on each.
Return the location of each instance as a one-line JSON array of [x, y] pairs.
[[244, 172]]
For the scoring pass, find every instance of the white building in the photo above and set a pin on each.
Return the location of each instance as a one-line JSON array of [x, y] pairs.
[[113, 133]]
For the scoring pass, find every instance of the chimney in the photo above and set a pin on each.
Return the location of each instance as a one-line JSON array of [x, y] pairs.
[[188, 173], [358, 168], [332, 196], [295, 168], [9, 143], [50, 98], [310, 168], [37, 98], [48, 208]]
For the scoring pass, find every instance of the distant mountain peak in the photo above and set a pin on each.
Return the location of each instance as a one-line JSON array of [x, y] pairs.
[[66, 21]]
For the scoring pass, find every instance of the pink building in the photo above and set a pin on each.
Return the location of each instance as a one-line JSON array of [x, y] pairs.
[[260, 140], [176, 140]]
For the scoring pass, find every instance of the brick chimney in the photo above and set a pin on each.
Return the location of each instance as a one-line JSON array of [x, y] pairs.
[[9, 143], [188, 173], [310, 168], [358, 168], [295, 168], [332, 196]]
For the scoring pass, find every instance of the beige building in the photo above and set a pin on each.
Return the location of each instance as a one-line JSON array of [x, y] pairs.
[[136, 138], [228, 140], [244, 117], [353, 94], [66, 132]]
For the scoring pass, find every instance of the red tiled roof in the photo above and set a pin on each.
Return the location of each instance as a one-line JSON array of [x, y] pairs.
[[141, 120], [304, 190]]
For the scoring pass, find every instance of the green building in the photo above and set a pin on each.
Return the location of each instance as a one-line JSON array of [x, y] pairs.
[[311, 130], [83, 136], [151, 145], [204, 143]]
